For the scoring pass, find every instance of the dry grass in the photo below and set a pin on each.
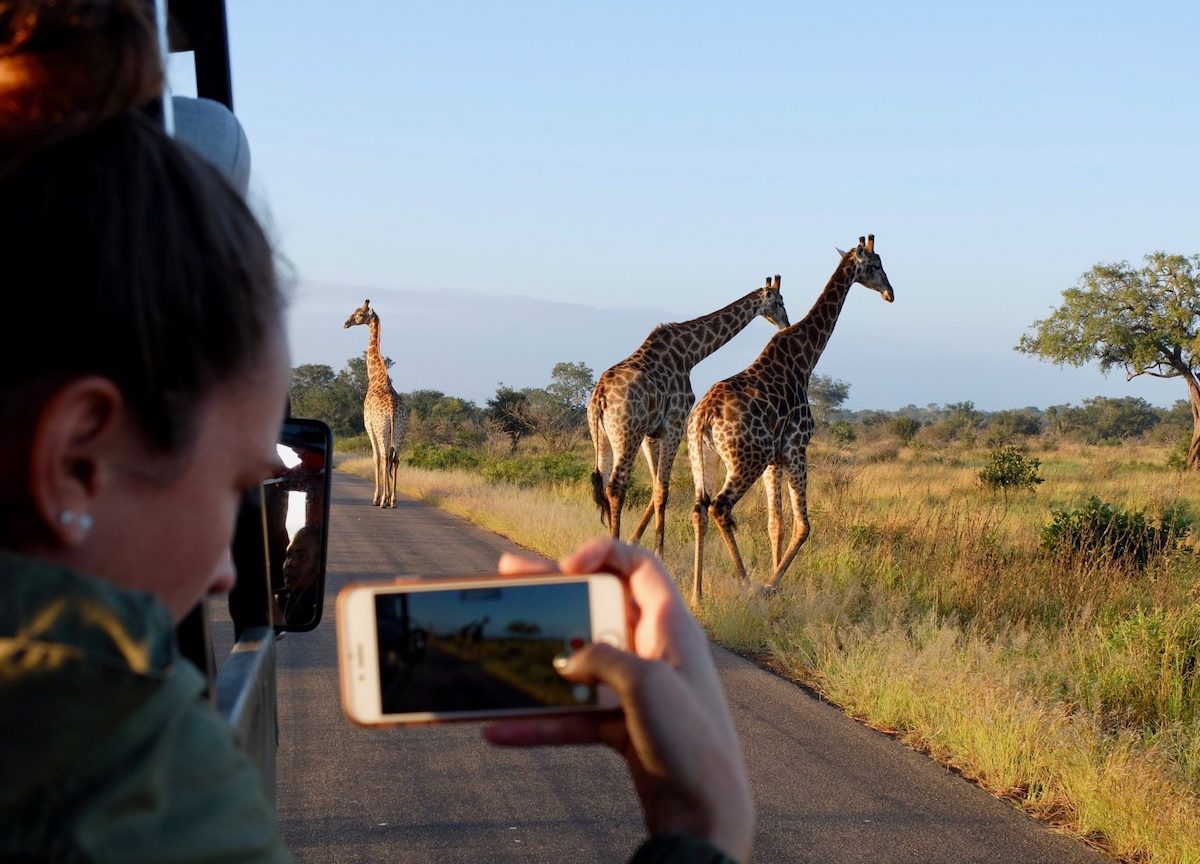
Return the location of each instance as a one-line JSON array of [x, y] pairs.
[[923, 605]]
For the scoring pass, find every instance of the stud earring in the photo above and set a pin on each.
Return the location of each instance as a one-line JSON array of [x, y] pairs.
[[82, 520]]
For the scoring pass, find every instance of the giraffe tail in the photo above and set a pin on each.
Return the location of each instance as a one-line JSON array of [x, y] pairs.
[[600, 498], [595, 416]]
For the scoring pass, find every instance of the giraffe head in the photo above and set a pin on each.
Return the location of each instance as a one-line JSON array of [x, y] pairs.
[[867, 269], [364, 314], [770, 304]]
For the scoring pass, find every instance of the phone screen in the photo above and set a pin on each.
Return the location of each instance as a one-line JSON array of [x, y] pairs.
[[480, 649]]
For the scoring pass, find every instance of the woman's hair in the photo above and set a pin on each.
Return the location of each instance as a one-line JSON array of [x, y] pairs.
[[122, 252]]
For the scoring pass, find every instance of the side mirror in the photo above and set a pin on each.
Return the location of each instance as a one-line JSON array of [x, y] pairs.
[[295, 507]]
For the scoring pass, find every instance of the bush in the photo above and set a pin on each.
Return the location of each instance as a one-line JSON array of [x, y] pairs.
[[438, 458], [843, 433], [905, 428], [351, 443], [545, 469], [1008, 469], [1107, 531]]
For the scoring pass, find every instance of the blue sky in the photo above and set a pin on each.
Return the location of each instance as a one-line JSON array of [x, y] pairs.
[[523, 183]]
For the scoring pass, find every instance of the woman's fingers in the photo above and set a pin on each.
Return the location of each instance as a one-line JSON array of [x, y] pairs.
[[512, 564]]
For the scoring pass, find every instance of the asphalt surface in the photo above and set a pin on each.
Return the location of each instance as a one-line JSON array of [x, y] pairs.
[[827, 788]]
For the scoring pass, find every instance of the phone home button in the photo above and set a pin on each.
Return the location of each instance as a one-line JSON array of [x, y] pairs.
[[611, 637]]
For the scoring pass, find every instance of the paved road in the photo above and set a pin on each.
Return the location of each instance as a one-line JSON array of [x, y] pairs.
[[827, 788]]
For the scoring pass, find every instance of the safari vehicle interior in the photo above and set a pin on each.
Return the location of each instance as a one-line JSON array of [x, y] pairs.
[[282, 531]]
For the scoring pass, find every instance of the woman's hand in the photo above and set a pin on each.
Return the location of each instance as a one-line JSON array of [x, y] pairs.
[[674, 729]]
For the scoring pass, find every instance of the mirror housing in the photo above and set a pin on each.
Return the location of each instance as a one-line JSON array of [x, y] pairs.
[[296, 524], [282, 536]]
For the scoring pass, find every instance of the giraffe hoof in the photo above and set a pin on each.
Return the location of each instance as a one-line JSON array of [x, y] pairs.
[[768, 590]]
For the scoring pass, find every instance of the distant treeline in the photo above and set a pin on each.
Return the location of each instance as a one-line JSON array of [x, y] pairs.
[[557, 413]]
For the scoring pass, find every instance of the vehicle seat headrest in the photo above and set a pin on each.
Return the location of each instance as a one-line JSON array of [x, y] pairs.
[[212, 130]]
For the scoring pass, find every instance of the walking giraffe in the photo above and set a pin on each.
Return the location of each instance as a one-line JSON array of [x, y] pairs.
[[644, 400], [759, 421], [385, 415]]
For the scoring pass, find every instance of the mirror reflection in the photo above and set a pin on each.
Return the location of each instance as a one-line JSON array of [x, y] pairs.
[[294, 508]]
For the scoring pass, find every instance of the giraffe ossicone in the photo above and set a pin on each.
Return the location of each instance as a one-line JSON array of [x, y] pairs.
[[385, 415], [644, 401], [758, 423]]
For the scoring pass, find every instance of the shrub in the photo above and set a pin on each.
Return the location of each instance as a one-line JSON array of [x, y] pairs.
[[1108, 532], [351, 443], [905, 427], [843, 433], [544, 469], [1008, 469], [434, 457]]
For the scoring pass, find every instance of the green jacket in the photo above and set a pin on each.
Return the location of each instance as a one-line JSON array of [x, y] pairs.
[[108, 749]]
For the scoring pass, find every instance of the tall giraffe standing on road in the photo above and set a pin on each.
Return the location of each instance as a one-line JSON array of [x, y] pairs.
[[645, 399], [759, 421], [385, 415]]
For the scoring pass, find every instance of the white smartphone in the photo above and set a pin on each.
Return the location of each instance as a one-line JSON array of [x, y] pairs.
[[440, 649]]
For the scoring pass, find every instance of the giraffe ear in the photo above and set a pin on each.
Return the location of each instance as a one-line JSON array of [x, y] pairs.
[[841, 254]]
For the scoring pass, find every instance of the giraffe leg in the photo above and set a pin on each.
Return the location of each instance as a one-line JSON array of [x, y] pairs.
[[703, 464], [736, 485], [771, 480], [650, 449], [376, 455], [797, 478], [662, 487], [699, 527], [622, 470]]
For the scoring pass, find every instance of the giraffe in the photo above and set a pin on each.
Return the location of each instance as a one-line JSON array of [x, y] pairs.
[[759, 421], [645, 399], [384, 413]]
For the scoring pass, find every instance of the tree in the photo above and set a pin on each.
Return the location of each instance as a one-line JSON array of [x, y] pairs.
[[826, 395], [960, 420], [1105, 419], [1146, 321], [1004, 426], [570, 384], [905, 428], [423, 402], [509, 409], [317, 392]]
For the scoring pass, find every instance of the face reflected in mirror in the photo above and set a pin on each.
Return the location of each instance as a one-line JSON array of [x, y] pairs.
[[302, 560]]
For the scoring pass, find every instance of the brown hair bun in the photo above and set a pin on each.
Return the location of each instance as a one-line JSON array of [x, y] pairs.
[[68, 65]]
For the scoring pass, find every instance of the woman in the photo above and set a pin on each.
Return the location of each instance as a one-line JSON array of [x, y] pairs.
[[127, 444]]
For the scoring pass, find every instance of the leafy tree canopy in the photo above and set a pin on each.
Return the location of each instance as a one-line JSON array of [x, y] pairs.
[[826, 395], [570, 384], [1144, 320]]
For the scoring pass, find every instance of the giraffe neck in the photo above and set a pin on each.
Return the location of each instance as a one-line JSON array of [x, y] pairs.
[[377, 375], [694, 340], [802, 344]]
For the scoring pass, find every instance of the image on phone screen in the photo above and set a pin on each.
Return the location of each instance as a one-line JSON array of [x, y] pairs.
[[480, 649]]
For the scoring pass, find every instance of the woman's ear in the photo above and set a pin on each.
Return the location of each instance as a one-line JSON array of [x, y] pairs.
[[74, 442]]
